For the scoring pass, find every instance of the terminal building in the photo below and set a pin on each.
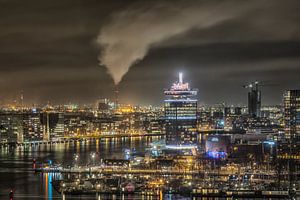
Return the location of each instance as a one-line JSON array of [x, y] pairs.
[[180, 106]]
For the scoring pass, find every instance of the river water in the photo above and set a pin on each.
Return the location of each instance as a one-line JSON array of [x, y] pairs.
[[16, 166]]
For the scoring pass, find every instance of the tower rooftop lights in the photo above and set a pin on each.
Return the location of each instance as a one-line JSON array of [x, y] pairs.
[[181, 115], [180, 89]]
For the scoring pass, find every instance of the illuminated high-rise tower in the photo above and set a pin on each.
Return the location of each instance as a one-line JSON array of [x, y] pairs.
[[181, 115], [291, 102]]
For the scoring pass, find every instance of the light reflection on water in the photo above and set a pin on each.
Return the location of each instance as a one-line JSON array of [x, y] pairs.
[[16, 164]]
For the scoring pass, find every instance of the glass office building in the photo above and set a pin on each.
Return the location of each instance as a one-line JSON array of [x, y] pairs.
[[180, 115], [254, 100], [292, 115]]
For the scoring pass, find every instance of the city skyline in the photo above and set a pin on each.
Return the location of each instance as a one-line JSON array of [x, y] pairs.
[[59, 61], [140, 99], [20, 101]]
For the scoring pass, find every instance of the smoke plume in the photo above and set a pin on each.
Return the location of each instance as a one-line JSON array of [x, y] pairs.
[[130, 34]]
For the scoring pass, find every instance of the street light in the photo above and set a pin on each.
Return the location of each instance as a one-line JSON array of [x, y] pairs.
[[93, 155], [76, 157]]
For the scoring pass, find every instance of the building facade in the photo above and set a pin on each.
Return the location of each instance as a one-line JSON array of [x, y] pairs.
[[53, 125], [180, 106], [291, 101], [254, 100]]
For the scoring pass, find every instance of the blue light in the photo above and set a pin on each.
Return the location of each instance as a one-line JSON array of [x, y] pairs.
[[50, 162], [50, 187], [215, 139], [154, 153], [233, 177], [269, 142], [181, 147], [216, 154], [127, 154], [192, 117], [180, 100]]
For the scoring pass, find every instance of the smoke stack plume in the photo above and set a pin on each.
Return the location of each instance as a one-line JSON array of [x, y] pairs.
[[116, 96], [131, 33]]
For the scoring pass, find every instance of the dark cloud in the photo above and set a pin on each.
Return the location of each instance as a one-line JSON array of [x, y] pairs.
[[48, 50], [220, 70]]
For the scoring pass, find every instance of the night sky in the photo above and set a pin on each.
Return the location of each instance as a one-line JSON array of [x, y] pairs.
[[49, 50]]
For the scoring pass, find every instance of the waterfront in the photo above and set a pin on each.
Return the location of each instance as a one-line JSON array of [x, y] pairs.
[[16, 163]]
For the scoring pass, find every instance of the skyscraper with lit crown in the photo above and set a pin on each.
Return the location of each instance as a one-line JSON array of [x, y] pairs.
[[181, 115]]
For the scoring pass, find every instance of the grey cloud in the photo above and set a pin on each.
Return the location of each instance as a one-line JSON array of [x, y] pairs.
[[47, 48], [128, 37]]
